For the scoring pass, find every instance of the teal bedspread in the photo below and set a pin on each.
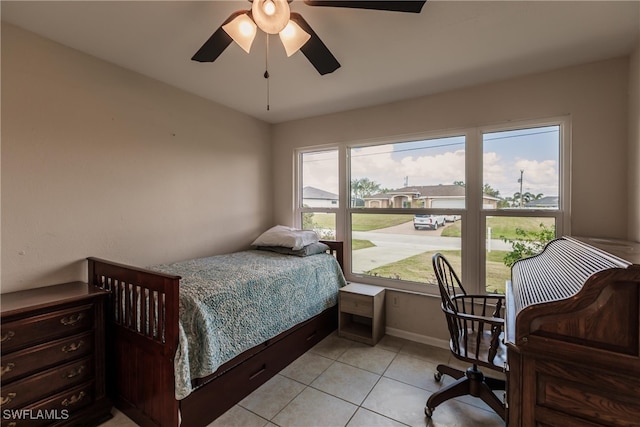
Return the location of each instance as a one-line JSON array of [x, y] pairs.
[[230, 303]]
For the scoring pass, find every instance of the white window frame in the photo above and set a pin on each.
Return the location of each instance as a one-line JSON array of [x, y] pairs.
[[562, 214], [473, 215]]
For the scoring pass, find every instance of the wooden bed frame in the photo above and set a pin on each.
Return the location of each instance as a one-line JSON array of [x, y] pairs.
[[142, 338]]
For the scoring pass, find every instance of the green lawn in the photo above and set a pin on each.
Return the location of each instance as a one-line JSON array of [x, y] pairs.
[[368, 222], [324, 220], [502, 227], [418, 269], [361, 244]]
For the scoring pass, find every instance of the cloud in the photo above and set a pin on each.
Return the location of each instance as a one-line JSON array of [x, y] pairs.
[[388, 168]]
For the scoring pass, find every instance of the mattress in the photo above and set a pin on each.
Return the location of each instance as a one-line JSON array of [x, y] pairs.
[[233, 302]]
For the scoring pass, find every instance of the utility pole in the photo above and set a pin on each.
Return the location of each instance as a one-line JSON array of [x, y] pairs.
[[520, 181]]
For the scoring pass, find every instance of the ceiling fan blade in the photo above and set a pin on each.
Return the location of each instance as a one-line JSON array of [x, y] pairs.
[[394, 6], [315, 50], [217, 43]]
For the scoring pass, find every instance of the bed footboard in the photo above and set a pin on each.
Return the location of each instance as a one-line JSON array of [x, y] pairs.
[[142, 337]]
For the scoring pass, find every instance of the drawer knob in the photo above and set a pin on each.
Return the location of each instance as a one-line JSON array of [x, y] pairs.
[[74, 372], [7, 336], [5, 400], [7, 368], [72, 347], [73, 399], [72, 320]]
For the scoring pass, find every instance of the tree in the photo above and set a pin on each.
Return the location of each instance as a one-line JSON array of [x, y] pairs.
[[490, 191], [528, 243], [486, 189], [307, 221], [363, 187], [507, 202], [525, 197]]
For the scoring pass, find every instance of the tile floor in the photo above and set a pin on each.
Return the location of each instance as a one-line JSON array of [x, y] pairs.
[[343, 383]]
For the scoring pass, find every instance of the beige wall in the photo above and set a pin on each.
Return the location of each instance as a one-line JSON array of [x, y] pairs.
[[97, 160], [101, 161], [634, 146], [594, 95]]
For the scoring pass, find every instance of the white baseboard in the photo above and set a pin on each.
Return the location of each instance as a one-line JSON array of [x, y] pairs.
[[423, 339]]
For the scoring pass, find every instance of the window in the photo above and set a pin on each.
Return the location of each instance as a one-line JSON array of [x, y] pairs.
[[521, 196], [318, 195], [475, 195], [407, 203]]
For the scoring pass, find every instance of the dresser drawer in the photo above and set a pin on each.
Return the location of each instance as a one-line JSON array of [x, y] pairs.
[[24, 362], [57, 408], [39, 386], [361, 305], [24, 332]]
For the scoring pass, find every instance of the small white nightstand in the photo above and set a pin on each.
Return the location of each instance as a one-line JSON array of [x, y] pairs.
[[361, 313]]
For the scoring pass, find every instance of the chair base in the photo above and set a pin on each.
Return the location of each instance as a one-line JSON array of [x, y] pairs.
[[470, 382]]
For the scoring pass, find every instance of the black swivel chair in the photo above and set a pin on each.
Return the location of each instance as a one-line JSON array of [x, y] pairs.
[[475, 326]]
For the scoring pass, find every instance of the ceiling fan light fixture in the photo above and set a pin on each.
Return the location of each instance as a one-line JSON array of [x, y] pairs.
[[242, 30], [293, 37], [271, 16]]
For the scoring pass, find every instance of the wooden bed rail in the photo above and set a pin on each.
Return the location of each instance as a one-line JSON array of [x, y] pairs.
[[142, 337]]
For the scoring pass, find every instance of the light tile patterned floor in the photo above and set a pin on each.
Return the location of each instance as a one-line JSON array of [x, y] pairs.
[[344, 383]]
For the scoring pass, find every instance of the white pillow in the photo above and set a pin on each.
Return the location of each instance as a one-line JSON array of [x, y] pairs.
[[286, 237]]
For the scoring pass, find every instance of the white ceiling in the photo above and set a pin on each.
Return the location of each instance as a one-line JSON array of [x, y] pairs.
[[385, 56]]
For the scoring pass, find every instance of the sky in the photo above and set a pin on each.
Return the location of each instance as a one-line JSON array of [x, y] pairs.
[[441, 161]]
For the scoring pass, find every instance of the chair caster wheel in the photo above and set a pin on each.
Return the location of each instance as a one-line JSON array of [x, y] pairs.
[[428, 411], [437, 376]]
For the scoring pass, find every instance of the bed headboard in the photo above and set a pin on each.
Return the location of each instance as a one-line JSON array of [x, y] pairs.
[[336, 249]]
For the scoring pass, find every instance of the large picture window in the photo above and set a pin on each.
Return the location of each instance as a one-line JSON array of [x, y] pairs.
[[407, 201], [483, 197]]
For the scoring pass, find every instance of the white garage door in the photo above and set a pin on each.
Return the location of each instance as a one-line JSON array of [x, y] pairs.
[[453, 203]]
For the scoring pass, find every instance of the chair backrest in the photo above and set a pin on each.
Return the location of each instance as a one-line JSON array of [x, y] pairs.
[[473, 320], [449, 283]]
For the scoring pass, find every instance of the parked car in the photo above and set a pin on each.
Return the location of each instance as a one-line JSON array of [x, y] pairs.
[[428, 221], [452, 218]]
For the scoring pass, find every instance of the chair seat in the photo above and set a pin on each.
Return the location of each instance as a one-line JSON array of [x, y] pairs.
[[467, 348]]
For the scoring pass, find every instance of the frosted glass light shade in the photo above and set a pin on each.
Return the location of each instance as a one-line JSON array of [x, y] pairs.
[[242, 30], [293, 38], [271, 16]]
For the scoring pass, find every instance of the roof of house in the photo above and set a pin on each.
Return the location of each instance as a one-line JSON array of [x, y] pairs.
[[316, 193], [449, 190], [544, 202]]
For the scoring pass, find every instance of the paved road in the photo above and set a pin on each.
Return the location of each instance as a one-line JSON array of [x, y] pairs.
[[403, 241]]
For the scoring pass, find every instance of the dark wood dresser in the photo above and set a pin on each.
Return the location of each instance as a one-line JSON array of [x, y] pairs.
[[53, 363]]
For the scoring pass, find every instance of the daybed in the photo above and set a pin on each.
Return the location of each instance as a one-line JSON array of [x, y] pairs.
[[143, 339]]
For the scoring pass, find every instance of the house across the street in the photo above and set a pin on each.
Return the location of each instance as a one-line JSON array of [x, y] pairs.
[[427, 196]]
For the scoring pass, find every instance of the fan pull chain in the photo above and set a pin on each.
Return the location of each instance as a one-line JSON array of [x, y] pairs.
[[266, 71]]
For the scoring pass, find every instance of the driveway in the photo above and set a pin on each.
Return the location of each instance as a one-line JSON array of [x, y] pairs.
[[403, 241]]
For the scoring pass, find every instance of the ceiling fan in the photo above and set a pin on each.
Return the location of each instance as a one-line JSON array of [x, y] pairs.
[[275, 17]]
